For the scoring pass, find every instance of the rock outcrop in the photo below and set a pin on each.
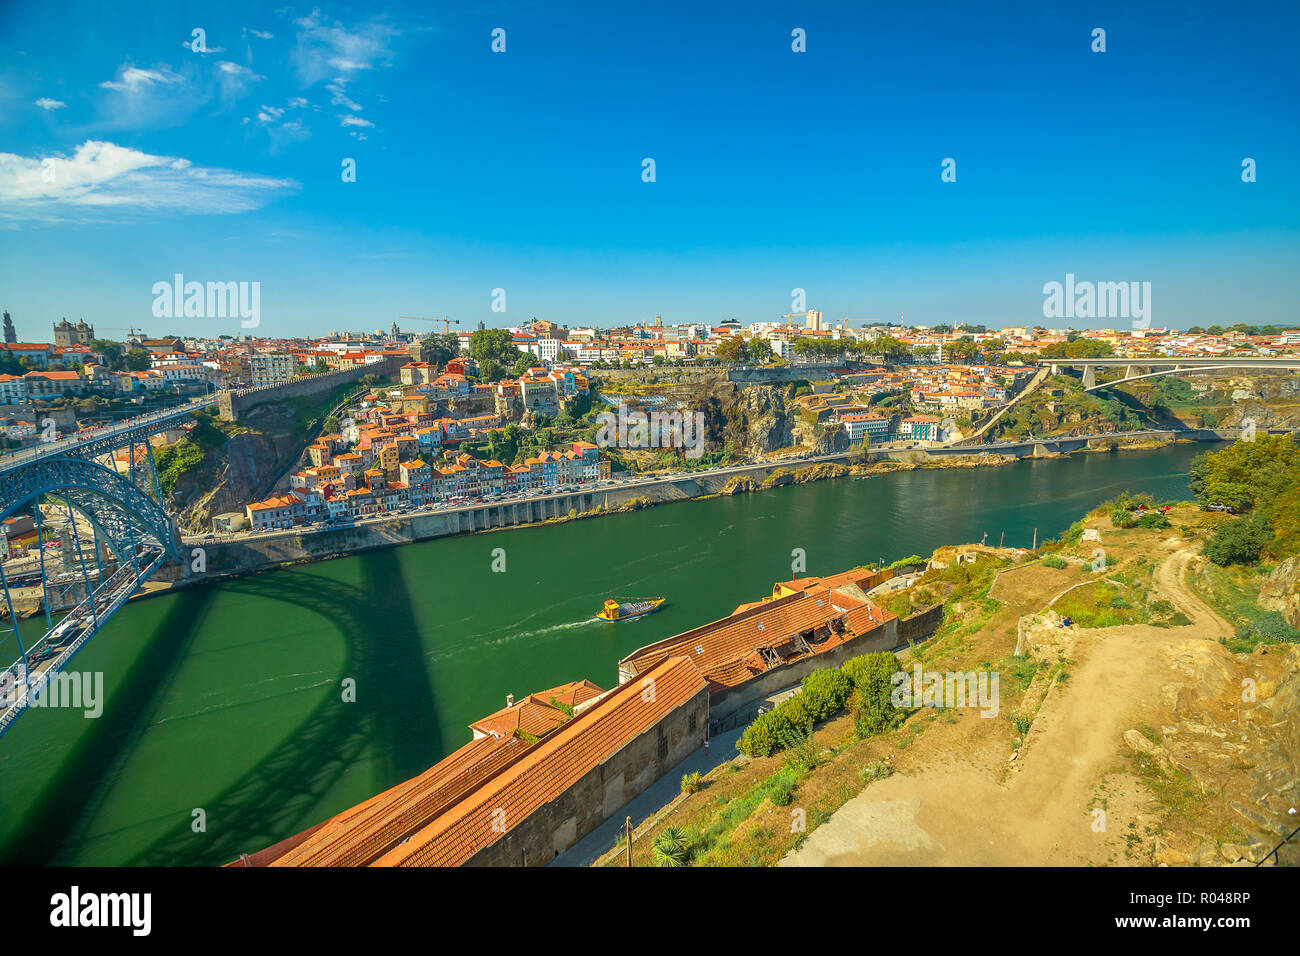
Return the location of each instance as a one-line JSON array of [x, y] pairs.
[[1281, 591]]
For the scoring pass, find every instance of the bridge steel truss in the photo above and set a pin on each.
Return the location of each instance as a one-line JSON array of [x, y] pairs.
[[130, 535]]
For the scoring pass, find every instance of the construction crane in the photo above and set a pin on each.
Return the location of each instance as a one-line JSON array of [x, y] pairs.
[[446, 322]]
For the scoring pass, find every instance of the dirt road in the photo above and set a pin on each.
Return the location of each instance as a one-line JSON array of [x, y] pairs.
[[973, 810]]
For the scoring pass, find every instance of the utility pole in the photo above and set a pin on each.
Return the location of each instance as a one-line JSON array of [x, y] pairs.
[[627, 829]]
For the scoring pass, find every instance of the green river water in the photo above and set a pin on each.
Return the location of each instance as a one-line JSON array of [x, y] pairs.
[[227, 699]]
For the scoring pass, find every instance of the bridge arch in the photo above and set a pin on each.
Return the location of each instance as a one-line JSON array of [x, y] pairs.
[[120, 511]]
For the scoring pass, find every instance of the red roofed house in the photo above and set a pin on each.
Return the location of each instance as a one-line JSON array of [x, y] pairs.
[[537, 777], [771, 644]]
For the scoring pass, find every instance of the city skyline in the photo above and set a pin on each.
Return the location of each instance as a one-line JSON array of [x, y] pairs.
[[522, 170]]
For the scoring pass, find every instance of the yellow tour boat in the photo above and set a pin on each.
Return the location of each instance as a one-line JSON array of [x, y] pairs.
[[615, 610]]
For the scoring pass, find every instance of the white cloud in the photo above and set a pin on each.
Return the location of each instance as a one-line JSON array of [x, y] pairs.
[[341, 98], [354, 121], [101, 180], [157, 96], [131, 79], [260, 34], [325, 49], [234, 69], [235, 81], [46, 103]]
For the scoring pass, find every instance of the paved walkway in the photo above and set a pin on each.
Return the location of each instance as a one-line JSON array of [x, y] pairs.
[[653, 799]]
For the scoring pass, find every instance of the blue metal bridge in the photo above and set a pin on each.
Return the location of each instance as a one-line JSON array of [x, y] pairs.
[[114, 532]]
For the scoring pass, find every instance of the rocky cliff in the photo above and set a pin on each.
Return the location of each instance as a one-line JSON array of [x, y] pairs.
[[754, 419], [242, 470], [1281, 592]]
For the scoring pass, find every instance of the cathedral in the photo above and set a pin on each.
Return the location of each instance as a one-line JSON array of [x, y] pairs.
[[67, 335]]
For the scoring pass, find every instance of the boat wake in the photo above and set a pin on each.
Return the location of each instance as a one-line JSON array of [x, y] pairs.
[[543, 631]]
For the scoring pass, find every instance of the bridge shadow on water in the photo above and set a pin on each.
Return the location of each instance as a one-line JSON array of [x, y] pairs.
[[74, 794], [394, 715]]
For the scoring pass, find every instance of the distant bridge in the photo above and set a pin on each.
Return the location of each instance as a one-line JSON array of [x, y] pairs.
[[1165, 365], [127, 535]]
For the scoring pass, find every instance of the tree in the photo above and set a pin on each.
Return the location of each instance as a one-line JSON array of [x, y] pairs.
[[732, 349], [494, 345], [111, 352], [963, 349], [137, 360], [440, 347], [1246, 472], [759, 351], [1080, 348]]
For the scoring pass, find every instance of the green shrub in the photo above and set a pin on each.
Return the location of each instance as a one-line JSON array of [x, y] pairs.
[[1239, 541], [758, 740], [1123, 506], [900, 605], [905, 562], [691, 782], [867, 669], [825, 691], [780, 788], [1074, 533], [670, 848], [870, 703], [1052, 561]]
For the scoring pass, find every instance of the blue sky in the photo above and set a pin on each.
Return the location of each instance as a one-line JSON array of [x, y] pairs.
[[522, 170]]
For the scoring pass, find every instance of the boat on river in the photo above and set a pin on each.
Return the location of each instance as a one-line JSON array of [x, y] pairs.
[[617, 610]]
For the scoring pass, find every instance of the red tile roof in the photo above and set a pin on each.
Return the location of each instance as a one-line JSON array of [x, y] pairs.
[[548, 769]]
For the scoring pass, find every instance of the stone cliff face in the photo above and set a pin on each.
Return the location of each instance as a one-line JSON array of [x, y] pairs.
[[769, 422], [1281, 592], [834, 439], [241, 471], [755, 418]]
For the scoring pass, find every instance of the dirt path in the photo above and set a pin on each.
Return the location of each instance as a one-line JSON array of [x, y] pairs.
[[973, 811]]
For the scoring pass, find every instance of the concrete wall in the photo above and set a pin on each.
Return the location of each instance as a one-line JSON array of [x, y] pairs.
[[551, 829], [920, 625]]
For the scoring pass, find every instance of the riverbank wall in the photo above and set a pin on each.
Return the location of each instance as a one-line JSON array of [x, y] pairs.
[[213, 559]]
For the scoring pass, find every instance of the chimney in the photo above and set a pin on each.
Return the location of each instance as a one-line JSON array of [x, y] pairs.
[[510, 700]]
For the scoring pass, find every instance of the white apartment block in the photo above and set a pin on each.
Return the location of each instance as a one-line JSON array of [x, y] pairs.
[[272, 368]]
